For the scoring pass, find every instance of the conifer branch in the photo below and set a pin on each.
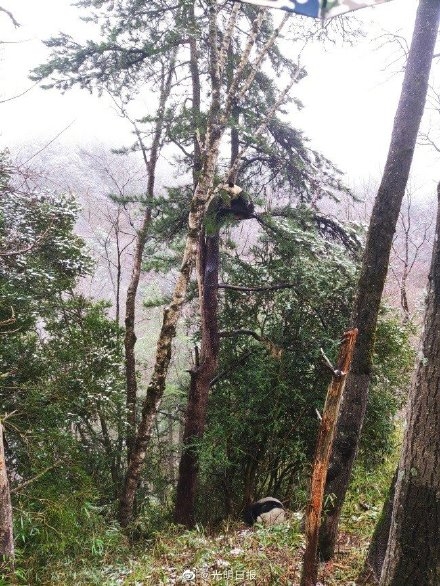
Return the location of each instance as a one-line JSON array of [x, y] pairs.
[[234, 168]]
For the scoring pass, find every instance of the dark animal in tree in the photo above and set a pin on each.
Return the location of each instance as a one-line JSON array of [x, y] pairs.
[[268, 511], [227, 201]]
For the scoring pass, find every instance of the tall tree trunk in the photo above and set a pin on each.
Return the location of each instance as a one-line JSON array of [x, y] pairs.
[[6, 533], [375, 262], [201, 377], [141, 238], [413, 553], [130, 335], [196, 97], [171, 315]]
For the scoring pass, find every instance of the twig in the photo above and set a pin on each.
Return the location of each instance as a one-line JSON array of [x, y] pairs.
[[19, 95], [11, 320], [47, 144], [28, 248], [11, 16], [274, 350], [36, 477], [8, 415]]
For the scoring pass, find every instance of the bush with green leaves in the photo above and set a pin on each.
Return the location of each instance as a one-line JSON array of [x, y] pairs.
[[264, 407], [62, 381]]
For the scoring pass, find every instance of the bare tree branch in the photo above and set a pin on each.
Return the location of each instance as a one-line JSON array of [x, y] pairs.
[[11, 16], [274, 350], [23, 485], [28, 248], [262, 288], [19, 95]]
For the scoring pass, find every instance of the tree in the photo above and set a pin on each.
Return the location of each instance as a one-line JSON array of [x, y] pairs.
[[269, 147], [201, 39], [410, 242], [6, 528], [413, 554], [375, 262], [60, 369]]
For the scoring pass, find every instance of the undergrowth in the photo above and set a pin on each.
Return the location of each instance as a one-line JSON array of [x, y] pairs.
[[232, 554]]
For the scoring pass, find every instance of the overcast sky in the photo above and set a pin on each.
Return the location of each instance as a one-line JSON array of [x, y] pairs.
[[350, 98]]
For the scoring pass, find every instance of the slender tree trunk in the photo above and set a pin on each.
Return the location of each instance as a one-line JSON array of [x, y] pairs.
[[118, 269], [130, 304], [196, 99], [201, 377], [413, 553], [6, 529], [375, 262], [130, 335]]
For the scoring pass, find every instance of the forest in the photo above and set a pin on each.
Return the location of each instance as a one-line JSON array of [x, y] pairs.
[[219, 359]]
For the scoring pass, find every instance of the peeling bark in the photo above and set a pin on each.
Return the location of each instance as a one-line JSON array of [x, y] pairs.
[[323, 446]]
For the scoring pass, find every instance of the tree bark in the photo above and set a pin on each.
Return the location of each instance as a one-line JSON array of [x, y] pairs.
[[201, 377], [323, 446], [171, 316], [6, 528], [375, 263], [196, 97], [413, 553], [141, 239]]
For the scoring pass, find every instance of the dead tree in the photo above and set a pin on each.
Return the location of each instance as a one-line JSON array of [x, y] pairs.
[[320, 463]]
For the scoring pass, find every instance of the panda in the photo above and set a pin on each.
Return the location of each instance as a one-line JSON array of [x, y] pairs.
[[268, 511]]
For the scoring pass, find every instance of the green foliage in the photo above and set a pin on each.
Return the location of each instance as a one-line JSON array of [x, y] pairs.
[[262, 414], [65, 377], [62, 381], [40, 256], [59, 520], [68, 391], [263, 419], [394, 358]]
